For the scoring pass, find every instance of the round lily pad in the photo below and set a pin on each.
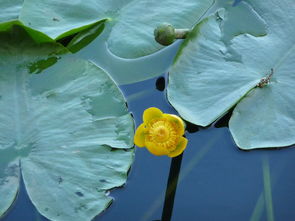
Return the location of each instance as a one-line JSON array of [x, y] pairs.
[[214, 72], [64, 126], [133, 32]]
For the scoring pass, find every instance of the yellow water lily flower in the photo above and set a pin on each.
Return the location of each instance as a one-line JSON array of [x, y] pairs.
[[161, 134]]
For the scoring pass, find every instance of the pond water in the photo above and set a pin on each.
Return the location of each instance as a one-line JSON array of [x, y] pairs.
[[218, 181]]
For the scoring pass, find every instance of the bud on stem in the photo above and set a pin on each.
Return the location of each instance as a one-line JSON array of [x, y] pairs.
[[165, 34]]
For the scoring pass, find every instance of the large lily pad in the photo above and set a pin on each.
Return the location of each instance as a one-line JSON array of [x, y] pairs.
[[132, 34], [133, 21], [48, 20], [66, 130], [212, 73]]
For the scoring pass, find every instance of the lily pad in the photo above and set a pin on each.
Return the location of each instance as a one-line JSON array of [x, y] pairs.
[[48, 20], [76, 25], [67, 130], [132, 22], [126, 71], [214, 72], [132, 33]]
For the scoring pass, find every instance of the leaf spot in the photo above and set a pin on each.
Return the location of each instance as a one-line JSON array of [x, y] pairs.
[[60, 180], [103, 181], [79, 194]]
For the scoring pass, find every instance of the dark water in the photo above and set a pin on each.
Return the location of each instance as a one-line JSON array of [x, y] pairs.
[[217, 180]]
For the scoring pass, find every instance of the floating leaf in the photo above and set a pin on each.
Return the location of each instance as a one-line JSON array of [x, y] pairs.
[[126, 71], [48, 20], [132, 24], [212, 73], [66, 130], [132, 34]]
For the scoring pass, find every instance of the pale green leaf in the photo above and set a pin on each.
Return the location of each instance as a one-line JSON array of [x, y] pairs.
[[133, 32], [56, 19], [126, 71], [9, 178], [67, 127], [205, 81], [133, 21], [10, 10], [215, 71]]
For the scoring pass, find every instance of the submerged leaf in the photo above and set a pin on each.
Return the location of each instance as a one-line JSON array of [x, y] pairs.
[[68, 128], [213, 72]]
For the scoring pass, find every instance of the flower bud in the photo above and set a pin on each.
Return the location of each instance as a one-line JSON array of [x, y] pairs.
[[165, 34]]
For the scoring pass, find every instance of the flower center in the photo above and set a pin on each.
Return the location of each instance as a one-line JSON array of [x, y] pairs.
[[163, 133]]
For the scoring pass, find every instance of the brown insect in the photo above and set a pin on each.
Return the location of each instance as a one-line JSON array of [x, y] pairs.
[[265, 81]]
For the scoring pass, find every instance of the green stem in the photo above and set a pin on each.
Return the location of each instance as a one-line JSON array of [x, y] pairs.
[[181, 33]]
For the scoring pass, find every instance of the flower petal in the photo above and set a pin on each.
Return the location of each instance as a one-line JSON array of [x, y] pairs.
[[139, 137], [155, 149], [179, 148], [177, 121], [151, 113]]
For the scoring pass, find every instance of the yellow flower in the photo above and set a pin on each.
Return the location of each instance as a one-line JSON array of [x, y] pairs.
[[161, 134]]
